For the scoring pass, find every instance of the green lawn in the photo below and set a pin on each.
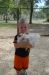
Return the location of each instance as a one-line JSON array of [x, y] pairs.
[[9, 25], [13, 25]]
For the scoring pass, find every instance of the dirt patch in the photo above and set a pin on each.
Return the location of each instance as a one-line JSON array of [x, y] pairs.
[[39, 55]]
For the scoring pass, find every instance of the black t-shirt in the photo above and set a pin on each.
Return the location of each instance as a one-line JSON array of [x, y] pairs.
[[21, 51]]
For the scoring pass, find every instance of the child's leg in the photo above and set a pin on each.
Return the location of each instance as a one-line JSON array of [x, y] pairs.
[[17, 64], [23, 72], [25, 65], [18, 72]]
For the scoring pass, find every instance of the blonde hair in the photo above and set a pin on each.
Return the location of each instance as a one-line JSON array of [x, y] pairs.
[[21, 20]]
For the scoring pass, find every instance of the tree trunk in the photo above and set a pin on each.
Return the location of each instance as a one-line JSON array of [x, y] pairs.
[[18, 16], [6, 16], [31, 12], [6, 20]]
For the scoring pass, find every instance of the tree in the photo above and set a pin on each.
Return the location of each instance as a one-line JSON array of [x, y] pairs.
[[47, 3], [29, 4], [4, 6], [33, 4], [10, 4], [47, 10]]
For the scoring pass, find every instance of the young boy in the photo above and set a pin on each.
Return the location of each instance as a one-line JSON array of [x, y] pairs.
[[22, 49]]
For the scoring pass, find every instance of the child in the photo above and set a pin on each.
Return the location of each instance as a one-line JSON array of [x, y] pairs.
[[22, 49]]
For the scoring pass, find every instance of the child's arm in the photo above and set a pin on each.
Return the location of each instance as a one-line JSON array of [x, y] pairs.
[[26, 45], [23, 45], [17, 45]]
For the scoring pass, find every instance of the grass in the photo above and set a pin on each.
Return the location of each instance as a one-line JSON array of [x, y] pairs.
[[9, 25], [13, 25]]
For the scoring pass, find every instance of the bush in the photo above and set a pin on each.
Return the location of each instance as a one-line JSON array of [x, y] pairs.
[[47, 19]]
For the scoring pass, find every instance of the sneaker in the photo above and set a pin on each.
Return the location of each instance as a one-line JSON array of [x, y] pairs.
[[23, 73]]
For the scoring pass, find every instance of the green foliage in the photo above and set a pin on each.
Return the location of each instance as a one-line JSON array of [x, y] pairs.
[[47, 3], [27, 3], [4, 5], [9, 5], [46, 9], [48, 19]]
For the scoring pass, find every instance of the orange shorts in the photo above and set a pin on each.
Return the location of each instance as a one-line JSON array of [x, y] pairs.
[[21, 62]]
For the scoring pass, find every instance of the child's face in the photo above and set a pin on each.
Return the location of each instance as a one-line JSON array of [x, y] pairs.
[[23, 28]]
